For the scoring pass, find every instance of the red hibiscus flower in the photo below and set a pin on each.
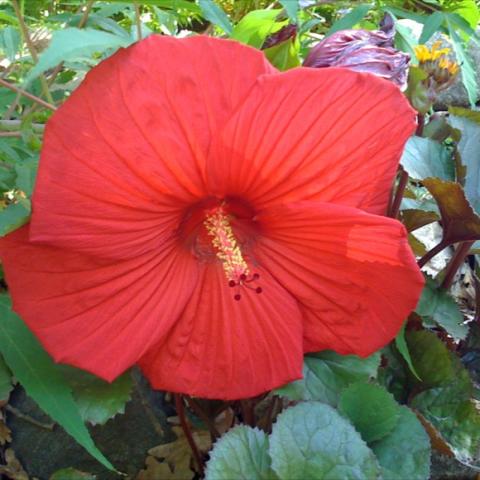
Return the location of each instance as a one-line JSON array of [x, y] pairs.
[[210, 219]]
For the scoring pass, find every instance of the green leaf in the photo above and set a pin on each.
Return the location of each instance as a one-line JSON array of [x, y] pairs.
[[468, 148], [255, 27], [311, 440], [291, 7], [10, 41], [214, 14], [405, 452], [71, 474], [467, 68], [402, 347], [467, 9], [438, 305], [432, 24], [26, 173], [431, 358], [14, 216], [452, 411], [350, 19], [73, 44], [5, 381], [424, 158], [284, 55], [445, 395], [241, 453], [417, 91], [326, 374], [98, 401], [40, 378], [371, 409]]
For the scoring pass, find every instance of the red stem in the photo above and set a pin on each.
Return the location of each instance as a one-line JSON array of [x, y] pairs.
[[188, 433], [429, 255], [397, 201], [456, 262]]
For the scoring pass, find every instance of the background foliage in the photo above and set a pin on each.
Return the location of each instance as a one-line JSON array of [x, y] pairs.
[[348, 417]]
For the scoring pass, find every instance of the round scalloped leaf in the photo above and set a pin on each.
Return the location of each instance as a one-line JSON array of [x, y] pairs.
[[371, 409], [327, 373], [98, 401], [312, 440], [405, 451], [241, 453]]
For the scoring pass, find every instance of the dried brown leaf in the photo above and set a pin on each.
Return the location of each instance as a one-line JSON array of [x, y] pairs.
[[13, 468]]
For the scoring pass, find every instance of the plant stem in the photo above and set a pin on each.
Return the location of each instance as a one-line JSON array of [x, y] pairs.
[[31, 48], [430, 254], [198, 410], [19, 414], [13, 125], [27, 94], [457, 260], [397, 200], [10, 134], [247, 412], [188, 433], [138, 21], [421, 124]]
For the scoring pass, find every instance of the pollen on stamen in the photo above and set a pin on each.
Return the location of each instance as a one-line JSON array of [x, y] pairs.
[[228, 251]]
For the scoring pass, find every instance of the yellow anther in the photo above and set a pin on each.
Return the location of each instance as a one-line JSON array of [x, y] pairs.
[[227, 249]]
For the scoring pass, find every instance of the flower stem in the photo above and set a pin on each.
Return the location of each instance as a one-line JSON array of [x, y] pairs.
[[430, 254], [27, 94], [397, 200], [198, 410], [31, 48], [247, 412], [188, 433], [421, 124], [138, 21], [457, 260]]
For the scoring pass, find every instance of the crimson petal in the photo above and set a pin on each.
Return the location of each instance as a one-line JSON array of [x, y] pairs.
[[127, 150], [327, 135], [99, 315], [352, 272], [227, 349]]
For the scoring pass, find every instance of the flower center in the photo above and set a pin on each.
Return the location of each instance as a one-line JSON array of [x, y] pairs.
[[227, 249]]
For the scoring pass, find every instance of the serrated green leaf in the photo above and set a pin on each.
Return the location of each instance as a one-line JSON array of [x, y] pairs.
[[72, 44], [311, 440], [438, 305], [468, 148], [98, 401], [424, 158], [350, 19], [326, 374], [453, 412], [214, 14], [371, 409], [241, 453], [5, 381], [445, 395], [40, 378], [255, 27], [405, 452], [14, 216]]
